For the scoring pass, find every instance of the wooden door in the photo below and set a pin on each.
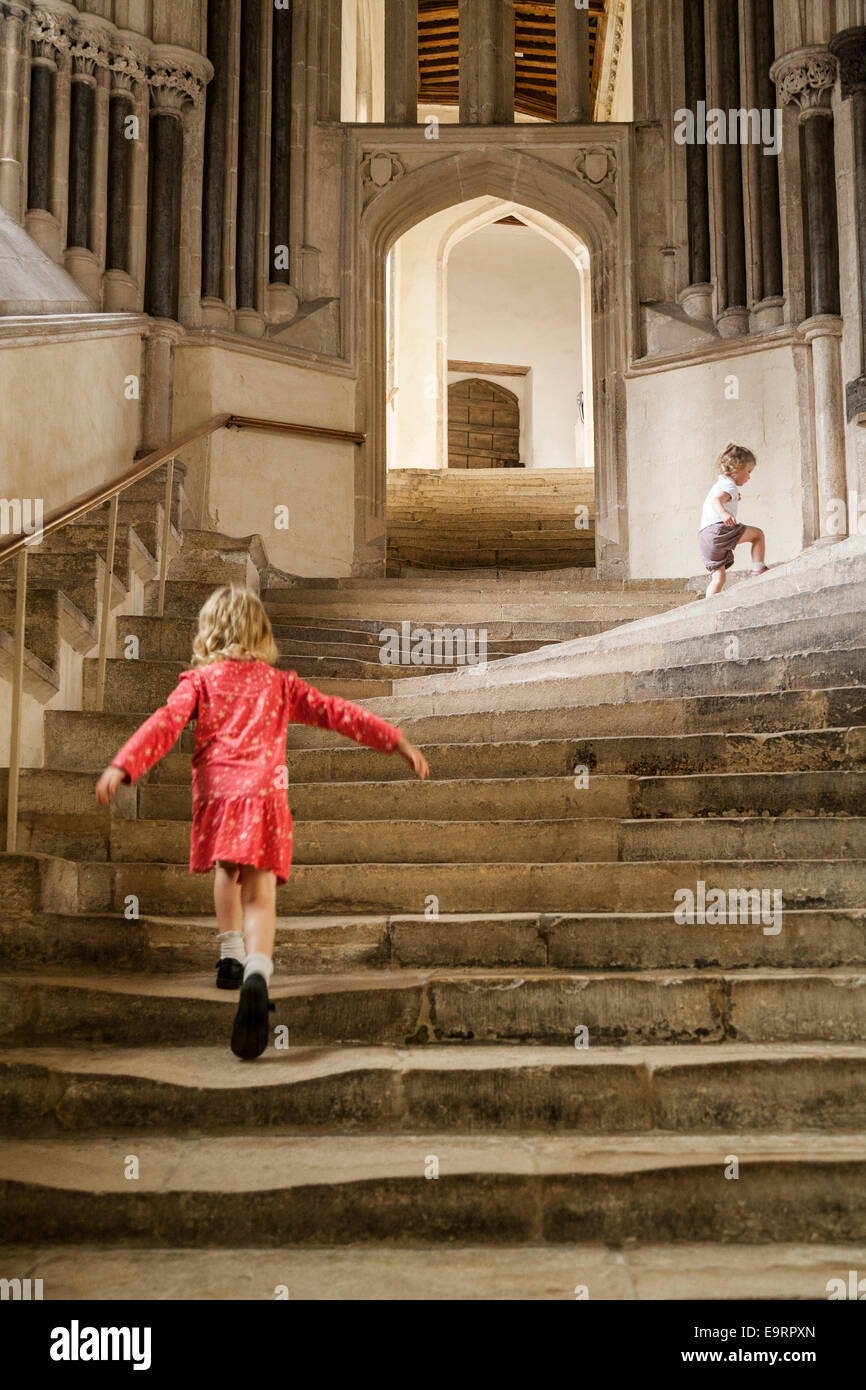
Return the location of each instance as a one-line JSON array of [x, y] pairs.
[[483, 425]]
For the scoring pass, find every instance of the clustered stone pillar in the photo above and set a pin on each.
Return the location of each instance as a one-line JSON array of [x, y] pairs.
[[12, 70], [697, 299], [771, 289], [401, 62], [120, 110], [849, 47], [40, 143], [162, 284], [807, 78], [733, 310], [248, 155], [215, 150], [486, 62], [572, 63], [281, 147], [80, 152]]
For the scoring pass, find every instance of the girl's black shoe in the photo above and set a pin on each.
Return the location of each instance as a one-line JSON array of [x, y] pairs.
[[230, 974], [250, 1030]]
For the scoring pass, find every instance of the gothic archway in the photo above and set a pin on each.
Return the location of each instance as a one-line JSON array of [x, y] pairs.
[[395, 201]]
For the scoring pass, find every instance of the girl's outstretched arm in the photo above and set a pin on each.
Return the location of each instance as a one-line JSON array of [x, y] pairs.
[[310, 706], [153, 740]]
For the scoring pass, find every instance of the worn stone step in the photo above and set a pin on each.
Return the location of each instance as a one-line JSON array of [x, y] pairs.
[[831, 793], [689, 1089], [473, 690], [809, 939], [705, 1271], [572, 838], [85, 739], [501, 1191], [540, 887], [408, 1007]]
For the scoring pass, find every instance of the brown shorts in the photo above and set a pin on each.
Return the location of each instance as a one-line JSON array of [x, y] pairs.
[[717, 544]]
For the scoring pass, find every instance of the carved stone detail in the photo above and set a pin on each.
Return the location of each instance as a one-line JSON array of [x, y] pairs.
[[596, 165], [379, 168], [178, 78], [49, 35], [806, 77]]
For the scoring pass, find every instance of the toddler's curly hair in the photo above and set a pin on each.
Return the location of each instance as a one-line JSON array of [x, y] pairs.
[[233, 626], [732, 458]]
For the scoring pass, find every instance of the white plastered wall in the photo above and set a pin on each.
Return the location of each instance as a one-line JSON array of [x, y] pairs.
[[678, 422], [444, 281], [241, 478]]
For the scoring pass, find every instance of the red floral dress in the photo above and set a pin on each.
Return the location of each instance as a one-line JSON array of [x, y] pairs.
[[242, 711]]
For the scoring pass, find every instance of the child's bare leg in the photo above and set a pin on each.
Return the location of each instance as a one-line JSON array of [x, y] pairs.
[[230, 920], [717, 582], [227, 898], [755, 536], [259, 901]]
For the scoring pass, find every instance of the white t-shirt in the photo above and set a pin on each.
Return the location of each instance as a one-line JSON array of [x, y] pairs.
[[709, 516]]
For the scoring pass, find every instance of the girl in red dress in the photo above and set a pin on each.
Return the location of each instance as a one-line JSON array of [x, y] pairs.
[[241, 822]]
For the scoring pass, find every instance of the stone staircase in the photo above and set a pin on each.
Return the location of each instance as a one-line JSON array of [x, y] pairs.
[[436, 1127], [511, 518]]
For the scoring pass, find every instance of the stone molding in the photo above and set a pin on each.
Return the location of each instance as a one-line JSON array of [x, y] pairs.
[[849, 47], [806, 78], [613, 49], [14, 9]]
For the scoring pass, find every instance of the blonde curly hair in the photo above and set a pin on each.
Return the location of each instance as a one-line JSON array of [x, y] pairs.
[[233, 626], [732, 458]]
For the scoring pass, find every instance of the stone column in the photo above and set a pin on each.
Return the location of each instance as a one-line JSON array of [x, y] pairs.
[[697, 299], [401, 62], [177, 79], [123, 283], [807, 78], [769, 309], [119, 290], [486, 62], [248, 167], [849, 48], [572, 63], [219, 27], [12, 72], [723, 40], [49, 45], [282, 299], [86, 53]]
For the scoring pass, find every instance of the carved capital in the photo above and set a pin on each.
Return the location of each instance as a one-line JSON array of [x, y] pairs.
[[89, 49], [128, 67], [177, 77], [49, 34], [806, 78], [850, 48]]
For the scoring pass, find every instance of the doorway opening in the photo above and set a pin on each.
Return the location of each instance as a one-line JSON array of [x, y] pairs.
[[489, 368]]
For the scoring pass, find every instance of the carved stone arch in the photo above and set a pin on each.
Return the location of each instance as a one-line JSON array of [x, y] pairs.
[[560, 193]]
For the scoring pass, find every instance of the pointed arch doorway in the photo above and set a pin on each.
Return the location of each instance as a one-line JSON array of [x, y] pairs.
[[451, 179]]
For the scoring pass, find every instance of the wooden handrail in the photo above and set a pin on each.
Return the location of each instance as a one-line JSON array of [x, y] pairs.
[[87, 501], [20, 546]]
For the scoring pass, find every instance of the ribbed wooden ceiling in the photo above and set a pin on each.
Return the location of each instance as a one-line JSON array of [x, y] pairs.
[[534, 45]]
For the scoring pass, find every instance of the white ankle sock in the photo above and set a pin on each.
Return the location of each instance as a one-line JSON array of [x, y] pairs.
[[258, 964], [232, 946]]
